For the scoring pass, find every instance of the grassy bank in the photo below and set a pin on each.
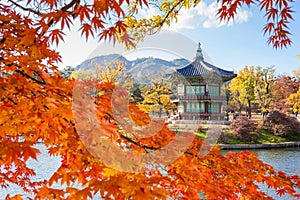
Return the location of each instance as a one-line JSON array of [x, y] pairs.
[[263, 137]]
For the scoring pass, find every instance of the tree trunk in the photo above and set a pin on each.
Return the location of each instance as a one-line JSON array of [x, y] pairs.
[[249, 109]]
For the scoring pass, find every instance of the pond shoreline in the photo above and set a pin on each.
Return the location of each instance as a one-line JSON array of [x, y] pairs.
[[259, 146]]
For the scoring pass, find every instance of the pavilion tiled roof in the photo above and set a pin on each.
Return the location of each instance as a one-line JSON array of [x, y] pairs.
[[201, 68]]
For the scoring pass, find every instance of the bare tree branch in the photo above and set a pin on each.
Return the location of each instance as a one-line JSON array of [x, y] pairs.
[[30, 77], [70, 5], [26, 9]]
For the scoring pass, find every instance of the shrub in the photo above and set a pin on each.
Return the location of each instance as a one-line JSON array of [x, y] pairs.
[[281, 124], [223, 138], [244, 129]]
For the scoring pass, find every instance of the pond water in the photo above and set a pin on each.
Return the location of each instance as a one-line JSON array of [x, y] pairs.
[[286, 160]]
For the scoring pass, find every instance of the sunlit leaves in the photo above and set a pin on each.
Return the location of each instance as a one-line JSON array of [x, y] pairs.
[[15, 197], [278, 14], [83, 194], [83, 12], [272, 13], [283, 88], [87, 30], [269, 28], [56, 36], [100, 7], [52, 3], [294, 100], [242, 88], [65, 20], [97, 23]]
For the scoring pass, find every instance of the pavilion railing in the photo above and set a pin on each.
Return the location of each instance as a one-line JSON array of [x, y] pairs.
[[201, 97]]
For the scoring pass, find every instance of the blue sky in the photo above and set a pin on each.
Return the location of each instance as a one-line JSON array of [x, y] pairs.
[[229, 45]]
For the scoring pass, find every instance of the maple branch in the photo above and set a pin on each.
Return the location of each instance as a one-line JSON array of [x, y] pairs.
[[2, 42], [40, 76], [145, 147], [70, 5], [10, 99], [26, 9], [30, 77], [64, 9], [153, 148], [132, 10], [170, 11]]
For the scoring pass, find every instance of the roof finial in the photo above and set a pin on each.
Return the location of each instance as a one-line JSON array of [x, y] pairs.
[[199, 54]]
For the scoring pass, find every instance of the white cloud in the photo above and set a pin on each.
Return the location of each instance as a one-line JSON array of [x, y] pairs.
[[205, 15], [148, 12]]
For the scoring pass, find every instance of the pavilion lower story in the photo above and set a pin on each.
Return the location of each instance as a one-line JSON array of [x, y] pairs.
[[200, 110]]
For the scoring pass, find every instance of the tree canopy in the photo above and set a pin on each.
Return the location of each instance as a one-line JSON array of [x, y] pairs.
[[242, 88], [255, 86], [120, 20], [36, 105]]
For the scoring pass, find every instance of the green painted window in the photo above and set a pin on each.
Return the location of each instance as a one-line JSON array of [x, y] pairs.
[[199, 89], [195, 107], [190, 90], [202, 107], [195, 90], [213, 90], [214, 107]]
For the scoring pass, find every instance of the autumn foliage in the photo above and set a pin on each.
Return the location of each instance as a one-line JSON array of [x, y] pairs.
[[278, 14], [244, 129], [282, 124], [36, 106]]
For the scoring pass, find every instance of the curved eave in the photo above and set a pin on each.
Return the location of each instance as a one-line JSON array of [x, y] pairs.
[[225, 79], [200, 68], [195, 68]]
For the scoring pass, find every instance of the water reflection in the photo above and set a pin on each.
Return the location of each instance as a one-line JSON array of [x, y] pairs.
[[44, 166], [285, 159]]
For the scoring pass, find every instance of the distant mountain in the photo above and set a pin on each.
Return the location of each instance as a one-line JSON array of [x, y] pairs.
[[102, 61], [151, 68], [140, 68], [181, 62]]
